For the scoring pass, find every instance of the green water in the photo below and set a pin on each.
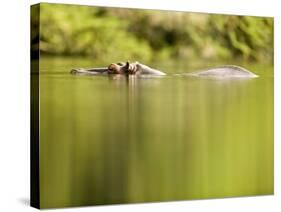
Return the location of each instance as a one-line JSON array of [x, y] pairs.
[[116, 140]]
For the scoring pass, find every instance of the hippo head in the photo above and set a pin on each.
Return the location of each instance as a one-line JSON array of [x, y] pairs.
[[121, 68]]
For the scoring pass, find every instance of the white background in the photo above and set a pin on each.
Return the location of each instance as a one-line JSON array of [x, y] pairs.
[[14, 103]]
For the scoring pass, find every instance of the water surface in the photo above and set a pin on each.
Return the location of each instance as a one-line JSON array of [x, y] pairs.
[[117, 140]]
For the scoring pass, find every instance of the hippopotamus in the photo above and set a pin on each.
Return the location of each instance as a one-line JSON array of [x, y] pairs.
[[127, 68], [136, 68]]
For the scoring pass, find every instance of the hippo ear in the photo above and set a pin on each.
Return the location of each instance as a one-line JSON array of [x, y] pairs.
[[127, 64], [121, 63]]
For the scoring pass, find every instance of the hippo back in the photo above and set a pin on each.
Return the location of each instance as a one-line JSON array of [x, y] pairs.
[[227, 71]]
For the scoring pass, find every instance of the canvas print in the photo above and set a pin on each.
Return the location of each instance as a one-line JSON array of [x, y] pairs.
[[133, 105]]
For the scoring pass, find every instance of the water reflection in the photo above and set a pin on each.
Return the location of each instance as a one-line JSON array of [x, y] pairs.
[[107, 140]]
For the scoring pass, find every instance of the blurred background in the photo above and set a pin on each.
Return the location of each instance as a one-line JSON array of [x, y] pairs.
[[112, 34]]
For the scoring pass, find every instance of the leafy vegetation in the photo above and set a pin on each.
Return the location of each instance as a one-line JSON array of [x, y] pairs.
[[148, 35]]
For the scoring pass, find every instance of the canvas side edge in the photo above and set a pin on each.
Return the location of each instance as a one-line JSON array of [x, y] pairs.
[[34, 106]]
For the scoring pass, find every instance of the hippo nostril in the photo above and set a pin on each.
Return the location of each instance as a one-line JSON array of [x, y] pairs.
[[74, 71]]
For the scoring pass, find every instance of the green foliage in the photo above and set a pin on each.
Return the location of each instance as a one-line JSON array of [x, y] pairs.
[[249, 37], [69, 30], [132, 34]]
